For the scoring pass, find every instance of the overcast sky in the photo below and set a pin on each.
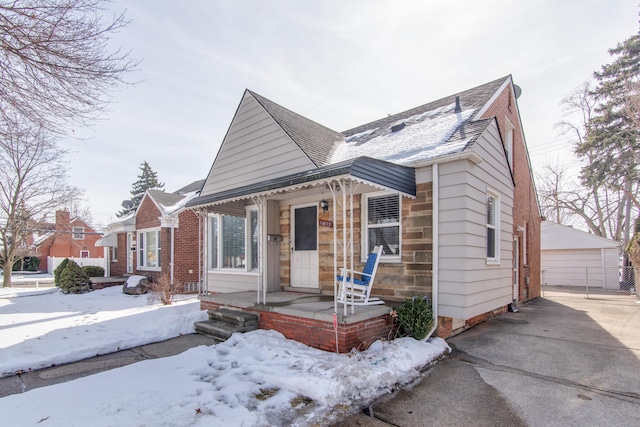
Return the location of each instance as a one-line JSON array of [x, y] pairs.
[[340, 63]]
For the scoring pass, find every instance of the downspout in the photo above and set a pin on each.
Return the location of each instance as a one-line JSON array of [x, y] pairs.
[[435, 273], [172, 248]]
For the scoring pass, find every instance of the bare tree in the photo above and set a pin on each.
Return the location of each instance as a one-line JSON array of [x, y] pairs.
[[606, 210], [56, 67], [33, 183]]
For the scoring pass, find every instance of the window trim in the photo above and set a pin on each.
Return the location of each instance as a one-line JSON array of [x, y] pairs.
[[74, 233], [364, 221], [495, 260], [247, 243], [141, 245], [510, 130]]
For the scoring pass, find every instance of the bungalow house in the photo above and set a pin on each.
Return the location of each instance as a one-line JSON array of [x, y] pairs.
[[445, 188], [161, 237], [67, 238]]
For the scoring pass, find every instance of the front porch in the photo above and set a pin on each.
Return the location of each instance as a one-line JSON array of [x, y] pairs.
[[309, 318]]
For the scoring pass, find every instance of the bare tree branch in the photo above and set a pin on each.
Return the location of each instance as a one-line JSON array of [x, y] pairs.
[[56, 67]]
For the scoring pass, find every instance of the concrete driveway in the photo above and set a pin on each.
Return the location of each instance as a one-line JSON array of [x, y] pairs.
[[562, 360]]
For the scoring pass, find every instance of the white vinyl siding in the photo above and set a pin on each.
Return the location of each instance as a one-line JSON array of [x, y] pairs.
[[468, 284], [255, 149]]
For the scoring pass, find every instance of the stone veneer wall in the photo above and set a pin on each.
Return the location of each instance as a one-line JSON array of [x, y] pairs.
[[394, 281]]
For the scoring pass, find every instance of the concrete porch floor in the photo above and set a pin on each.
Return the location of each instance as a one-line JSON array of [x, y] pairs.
[[310, 306]]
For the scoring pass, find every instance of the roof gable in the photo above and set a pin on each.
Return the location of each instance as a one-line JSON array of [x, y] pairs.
[[557, 236], [257, 147], [314, 139]]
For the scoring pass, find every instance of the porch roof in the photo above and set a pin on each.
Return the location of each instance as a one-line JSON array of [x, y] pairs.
[[377, 173]]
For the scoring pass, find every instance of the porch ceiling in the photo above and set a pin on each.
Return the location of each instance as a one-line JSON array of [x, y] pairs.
[[373, 174]]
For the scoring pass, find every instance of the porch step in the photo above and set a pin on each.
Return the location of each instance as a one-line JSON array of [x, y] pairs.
[[223, 323]]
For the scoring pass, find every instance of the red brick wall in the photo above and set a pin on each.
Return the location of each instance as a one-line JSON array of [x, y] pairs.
[[185, 243], [186, 248], [320, 334], [525, 198], [63, 245], [119, 267]]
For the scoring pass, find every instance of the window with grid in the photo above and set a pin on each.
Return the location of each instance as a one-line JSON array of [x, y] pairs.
[[383, 224], [78, 233]]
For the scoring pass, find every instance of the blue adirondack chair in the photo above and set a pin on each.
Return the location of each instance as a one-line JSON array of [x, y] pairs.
[[355, 286]]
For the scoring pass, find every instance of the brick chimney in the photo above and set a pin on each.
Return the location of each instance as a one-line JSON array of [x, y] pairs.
[[63, 221]]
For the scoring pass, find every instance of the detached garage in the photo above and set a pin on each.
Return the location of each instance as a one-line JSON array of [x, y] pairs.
[[571, 257]]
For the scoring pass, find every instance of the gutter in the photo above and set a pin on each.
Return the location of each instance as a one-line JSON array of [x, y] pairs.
[[464, 155]]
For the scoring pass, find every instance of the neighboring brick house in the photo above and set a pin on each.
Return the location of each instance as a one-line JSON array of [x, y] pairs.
[[67, 238], [161, 237], [445, 187]]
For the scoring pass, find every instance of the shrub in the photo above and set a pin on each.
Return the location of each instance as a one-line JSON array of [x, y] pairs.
[[58, 271], [33, 264], [93, 270], [73, 279], [163, 289], [415, 317]]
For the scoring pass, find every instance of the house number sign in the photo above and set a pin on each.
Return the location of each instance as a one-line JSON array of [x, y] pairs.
[[324, 223]]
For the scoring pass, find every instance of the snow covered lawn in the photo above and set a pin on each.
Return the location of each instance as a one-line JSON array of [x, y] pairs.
[[255, 379], [45, 327]]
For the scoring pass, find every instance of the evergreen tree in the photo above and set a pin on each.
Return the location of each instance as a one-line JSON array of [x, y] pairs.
[[612, 144], [147, 180]]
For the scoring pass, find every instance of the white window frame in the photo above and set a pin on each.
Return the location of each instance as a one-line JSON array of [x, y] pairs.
[[142, 242], [493, 260], [508, 140], [248, 239], [77, 235], [365, 226], [113, 253], [84, 251]]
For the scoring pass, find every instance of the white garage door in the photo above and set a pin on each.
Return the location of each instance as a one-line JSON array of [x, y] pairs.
[[580, 267]]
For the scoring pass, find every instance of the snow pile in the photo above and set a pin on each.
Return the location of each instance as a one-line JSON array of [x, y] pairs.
[[254, 379], [423, 137]]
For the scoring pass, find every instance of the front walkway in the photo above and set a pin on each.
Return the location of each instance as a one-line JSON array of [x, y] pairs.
[[562, 360]]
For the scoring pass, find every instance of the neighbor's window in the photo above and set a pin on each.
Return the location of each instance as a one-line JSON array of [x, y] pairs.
[[382, 222], [493, 228], [233, 240], [149, 250], [114, 253], [78, 233]]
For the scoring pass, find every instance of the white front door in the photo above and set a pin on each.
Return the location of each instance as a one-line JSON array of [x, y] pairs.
[[304, 246], [130, 250]]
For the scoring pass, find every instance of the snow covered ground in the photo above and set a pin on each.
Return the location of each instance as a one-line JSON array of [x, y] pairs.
[[254, 379]]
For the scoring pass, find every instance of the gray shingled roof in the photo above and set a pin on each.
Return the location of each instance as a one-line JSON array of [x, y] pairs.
[[165, 199], [190, 188], [315, 140], [474, 98]]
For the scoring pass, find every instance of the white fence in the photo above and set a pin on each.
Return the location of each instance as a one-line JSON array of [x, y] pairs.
[[53, 262]]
